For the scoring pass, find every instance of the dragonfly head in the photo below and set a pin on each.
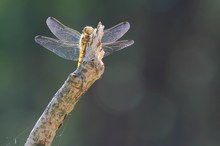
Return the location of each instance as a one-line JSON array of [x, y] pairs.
[[88, 30]]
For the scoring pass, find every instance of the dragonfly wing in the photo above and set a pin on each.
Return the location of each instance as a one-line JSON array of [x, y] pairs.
[[61, 31], [63, 49], [116, 46], [116, 32]]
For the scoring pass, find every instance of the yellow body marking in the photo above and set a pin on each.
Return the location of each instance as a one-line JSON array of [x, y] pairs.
[[84, 43]]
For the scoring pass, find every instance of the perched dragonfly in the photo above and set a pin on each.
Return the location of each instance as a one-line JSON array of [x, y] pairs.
[[71, 45]]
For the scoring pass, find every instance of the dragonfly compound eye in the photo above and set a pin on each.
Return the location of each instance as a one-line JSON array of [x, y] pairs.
[[88, 30]]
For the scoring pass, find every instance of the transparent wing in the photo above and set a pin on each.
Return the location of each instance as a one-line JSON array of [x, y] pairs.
[[61, 31], [63, 49], [116, 32], [116, 46]]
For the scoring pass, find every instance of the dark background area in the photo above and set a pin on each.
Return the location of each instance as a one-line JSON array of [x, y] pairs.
[[162, 91]]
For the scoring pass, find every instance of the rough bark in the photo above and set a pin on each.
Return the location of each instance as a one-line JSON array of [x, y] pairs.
[[67, 96]]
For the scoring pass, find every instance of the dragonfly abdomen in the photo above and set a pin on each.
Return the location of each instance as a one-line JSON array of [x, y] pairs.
[[83, 47]]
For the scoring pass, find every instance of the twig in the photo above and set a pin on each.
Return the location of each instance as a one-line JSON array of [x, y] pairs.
[[67, 96]]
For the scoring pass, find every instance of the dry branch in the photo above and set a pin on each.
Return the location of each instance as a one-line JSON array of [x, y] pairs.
[[67, 96]]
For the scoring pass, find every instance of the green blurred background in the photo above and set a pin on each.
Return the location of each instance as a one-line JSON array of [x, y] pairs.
[[162, 91]]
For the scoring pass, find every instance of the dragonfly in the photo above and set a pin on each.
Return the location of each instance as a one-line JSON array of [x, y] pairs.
[[72, 45]]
